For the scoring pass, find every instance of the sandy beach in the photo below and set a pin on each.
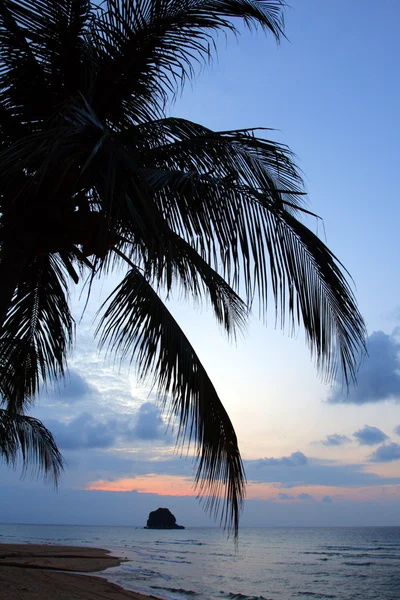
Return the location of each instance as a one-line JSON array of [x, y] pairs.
[[38, 572]]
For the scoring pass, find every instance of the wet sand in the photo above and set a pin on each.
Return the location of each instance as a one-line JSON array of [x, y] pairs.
[[32, 572]]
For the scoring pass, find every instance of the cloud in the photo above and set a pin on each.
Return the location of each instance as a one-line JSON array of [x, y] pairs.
[[87, 431], [98, 464], [302, 497], [117, 461], [369, 436], [149, 425], [296, 459], [283, 496], [397, 430], [335, 439], [327, 500], [315, 472], [378, 378], [74, 388], [122, 463], [386, 453]]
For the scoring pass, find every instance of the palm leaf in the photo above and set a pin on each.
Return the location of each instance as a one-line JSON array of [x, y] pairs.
[[184, 266], [137, 324], [146, 48], [236, 199], [37, 333], [181, 266], [44, 55], [27, 438]]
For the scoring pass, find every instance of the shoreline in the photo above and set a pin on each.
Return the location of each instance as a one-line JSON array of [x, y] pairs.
[[46, 571]]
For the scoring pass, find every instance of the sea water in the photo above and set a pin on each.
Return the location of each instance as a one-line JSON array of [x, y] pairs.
[[268, 564]]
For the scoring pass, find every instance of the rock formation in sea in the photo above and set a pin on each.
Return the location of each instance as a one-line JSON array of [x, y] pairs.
[[162, 518]]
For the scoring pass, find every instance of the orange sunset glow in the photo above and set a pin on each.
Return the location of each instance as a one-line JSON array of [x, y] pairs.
[[172, 485], [164, 485]]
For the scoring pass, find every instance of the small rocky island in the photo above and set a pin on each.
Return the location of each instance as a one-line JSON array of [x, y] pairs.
[[162, 518]]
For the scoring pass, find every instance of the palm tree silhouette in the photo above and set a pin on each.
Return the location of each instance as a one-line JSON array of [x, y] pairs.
[[95, 175]]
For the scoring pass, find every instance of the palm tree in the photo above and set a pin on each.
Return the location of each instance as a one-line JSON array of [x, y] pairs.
[[95, 175]]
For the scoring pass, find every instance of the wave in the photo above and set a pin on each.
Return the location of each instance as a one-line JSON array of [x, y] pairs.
[[240, 596], [370, 554], [319, 595], [175, 590], [359, 564], [323, 553], [161, 558], [179, 562], [181, 542], [360, 548], [143, 574], [165, 550]]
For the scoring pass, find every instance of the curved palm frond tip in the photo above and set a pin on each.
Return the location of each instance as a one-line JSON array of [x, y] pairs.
[[93, 175], [27, 439], [146, 331], [37, 333]]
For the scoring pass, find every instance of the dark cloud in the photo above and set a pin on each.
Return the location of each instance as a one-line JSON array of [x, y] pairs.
[[327, 499], [102, 465], [110, 464], [149, 425], [335, 439], [74, 388], [283, 496], [378, 378], [305, 497], [87, 431], [397, 430], [124, 466], [370, 436], [386, 453], [301, 497], [296, 459], [315, 472]]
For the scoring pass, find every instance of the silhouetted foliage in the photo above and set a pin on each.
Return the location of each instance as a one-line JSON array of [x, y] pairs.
[[94, 175]]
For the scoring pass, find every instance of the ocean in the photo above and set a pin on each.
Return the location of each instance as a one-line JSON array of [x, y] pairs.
[[346, 563]]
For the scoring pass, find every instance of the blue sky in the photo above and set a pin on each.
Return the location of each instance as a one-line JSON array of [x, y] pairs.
[[313, 454]]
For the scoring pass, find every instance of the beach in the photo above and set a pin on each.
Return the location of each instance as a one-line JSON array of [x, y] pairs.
[[40, 572]]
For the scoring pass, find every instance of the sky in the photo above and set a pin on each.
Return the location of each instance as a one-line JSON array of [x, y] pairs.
[[314, 455]]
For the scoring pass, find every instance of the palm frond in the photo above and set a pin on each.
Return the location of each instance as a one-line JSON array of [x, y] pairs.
[[26, 438], [44, 56], [147, 49], [137, 324], [311, 286], [181, 266], [37, 333], [237, 199]]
